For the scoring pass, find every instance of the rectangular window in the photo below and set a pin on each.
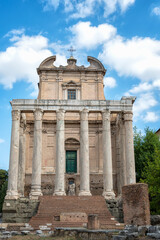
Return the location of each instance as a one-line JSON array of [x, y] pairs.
[[71, 94]]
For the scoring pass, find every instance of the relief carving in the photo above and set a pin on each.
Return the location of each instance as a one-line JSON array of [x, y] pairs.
[[106, 115], [23, 123], [38, 113], [60, 114], [84, 114], [15, 115], [128, 116]]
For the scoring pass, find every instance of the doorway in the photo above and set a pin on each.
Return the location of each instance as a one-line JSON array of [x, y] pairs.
[[71, 161]]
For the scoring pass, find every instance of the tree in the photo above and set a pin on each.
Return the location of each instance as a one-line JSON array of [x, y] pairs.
[[3, 176], [147, 159], [3, 186], [151, 175], [3, 194], [144, 148]]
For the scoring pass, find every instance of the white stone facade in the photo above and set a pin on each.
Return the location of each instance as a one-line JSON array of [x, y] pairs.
[[71, 115]]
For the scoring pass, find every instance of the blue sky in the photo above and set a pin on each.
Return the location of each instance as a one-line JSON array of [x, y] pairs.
[[123, 34]]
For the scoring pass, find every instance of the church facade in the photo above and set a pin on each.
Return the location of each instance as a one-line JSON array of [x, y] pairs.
[[70, 140]]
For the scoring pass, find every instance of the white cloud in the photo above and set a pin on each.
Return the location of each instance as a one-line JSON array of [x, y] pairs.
[[60, 60], [156, 11], [2, 140], [68, 6], [110, 82], [49, 4], [151, 117], [87, 36], [142, 87], [143, 103], [112, 5], [124, 4], [136, 57], [156, 83], [15, 32], [85, 8], [20, 60]]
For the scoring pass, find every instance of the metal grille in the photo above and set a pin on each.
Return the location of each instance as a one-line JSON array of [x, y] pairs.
[[71, 94]]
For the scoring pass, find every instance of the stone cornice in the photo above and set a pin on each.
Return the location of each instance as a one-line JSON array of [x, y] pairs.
[[73, 105]]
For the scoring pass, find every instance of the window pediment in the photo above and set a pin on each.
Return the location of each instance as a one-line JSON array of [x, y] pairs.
[[71, 84]]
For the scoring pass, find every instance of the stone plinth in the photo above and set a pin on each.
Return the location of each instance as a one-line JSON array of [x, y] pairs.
[[93, 222], [136, 207]]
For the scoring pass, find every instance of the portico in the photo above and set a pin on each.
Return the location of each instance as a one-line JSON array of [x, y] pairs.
[[71, 115]]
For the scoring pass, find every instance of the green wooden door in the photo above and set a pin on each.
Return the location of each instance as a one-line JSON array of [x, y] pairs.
[[71, 161]]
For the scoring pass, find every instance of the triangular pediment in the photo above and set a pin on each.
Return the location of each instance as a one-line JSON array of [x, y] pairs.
[[71, 83]]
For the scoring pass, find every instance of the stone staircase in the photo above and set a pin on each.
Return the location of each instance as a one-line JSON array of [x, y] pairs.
[[72, 211]]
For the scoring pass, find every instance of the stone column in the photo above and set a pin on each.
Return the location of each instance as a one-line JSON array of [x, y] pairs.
[[12, 192], [37, 155], [60, 155], [84, 156], [22, 156], [129, 148], [123, 156], [107, 157]]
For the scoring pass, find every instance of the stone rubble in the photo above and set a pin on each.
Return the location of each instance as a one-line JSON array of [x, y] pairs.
[[130, 232]]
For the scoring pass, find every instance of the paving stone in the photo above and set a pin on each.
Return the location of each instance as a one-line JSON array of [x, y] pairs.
[[6, 233], [119, 237], [142, 230], [25, 232], [14, 233], [152, 229], [39, 232], [154, 235]]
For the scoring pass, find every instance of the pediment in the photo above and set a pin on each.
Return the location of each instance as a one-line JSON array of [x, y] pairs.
[[71, 84], [72, 141], [48, 62], [95, 64]]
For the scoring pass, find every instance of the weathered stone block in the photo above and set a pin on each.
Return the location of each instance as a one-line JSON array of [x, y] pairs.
[[93, 222], [136, 204]]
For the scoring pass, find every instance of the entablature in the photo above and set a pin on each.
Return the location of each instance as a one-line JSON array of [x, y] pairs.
[[125, 104]]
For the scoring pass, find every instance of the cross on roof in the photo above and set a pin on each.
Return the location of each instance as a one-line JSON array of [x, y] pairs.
[[71, 50]]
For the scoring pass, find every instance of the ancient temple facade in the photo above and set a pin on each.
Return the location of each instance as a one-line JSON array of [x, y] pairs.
[[70, 140]]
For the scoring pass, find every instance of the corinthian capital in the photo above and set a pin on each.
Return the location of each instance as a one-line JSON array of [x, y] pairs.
[[128, 116], [60, 114], [84, 114], [38, 113], [106, 115], [15, 115]]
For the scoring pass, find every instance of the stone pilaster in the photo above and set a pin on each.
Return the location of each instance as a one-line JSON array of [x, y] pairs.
[[84, 156], [129, 148], [22, 156], [12, 192], [107, 157], [60, 155], [37, 156]]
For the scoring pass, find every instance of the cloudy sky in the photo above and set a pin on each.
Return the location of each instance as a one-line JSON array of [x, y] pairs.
[[123, 34]]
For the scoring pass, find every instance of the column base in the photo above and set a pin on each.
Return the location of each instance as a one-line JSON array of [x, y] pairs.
[[35, 194], [84, 193], [12, 194], [59, 193], [108, 194]]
